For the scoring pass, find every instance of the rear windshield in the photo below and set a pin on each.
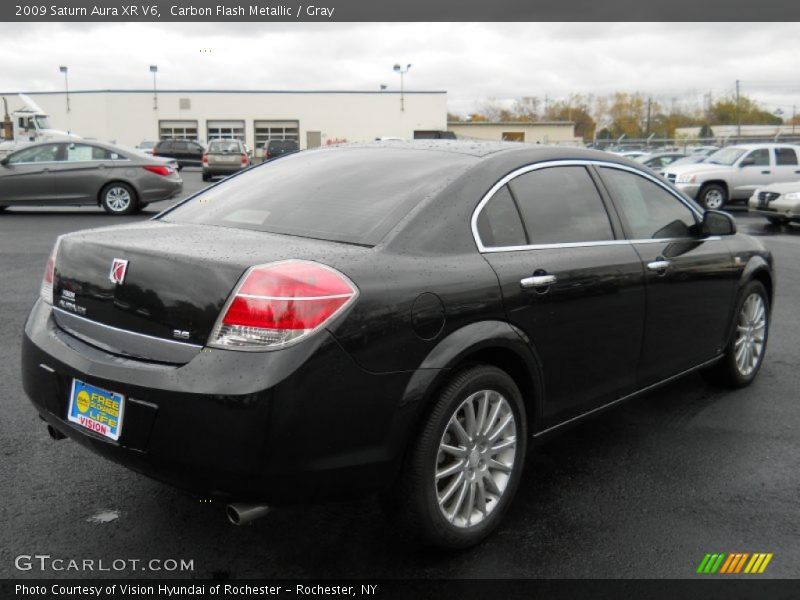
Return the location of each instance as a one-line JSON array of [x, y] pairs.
[[287, 145], [354, 195], [224, 146]]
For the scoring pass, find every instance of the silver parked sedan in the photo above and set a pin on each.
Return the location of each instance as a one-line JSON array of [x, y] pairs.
[[69, 173]]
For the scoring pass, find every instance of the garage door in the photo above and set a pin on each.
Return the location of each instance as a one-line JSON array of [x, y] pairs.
[[227, 130], [177, 130]]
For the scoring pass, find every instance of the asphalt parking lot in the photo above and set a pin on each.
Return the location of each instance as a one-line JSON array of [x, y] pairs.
[[643, 491]]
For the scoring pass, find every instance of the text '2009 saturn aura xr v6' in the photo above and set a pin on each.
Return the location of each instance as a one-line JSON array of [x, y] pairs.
[[397, 317]]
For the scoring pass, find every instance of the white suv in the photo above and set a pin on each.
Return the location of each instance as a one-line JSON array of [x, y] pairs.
[[735, 172]]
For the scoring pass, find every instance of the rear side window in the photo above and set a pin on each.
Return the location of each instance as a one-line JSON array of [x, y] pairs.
[[85, 152], [650, 211], [354, 195], [561, 205], [785, 156], [499, 223]]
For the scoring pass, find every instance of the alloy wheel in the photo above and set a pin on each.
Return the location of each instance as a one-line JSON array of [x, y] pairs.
[[750, 334], [118, 199], [476, 458]]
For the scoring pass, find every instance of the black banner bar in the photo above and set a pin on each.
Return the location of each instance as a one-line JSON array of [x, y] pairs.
[[397, 11], [711, 588]]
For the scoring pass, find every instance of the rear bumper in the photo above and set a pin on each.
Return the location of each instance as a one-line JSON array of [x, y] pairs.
[[223, 169], [297, 425], [167, 189]]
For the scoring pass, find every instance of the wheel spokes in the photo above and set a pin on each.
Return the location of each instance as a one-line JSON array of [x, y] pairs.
[[476, 458]]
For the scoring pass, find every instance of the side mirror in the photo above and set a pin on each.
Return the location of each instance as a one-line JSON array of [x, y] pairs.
[[747, 161], [4, 161], [716, 222]]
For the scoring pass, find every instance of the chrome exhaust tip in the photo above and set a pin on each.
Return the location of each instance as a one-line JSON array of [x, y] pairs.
[[54, 433], [240, 513]]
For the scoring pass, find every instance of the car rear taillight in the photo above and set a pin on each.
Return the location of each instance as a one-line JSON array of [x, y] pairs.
[[159, 170], [205, 158], [46, 291], [280, 303], [244, 159]]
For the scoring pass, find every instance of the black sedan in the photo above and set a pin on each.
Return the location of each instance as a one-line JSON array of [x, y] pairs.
[[76, 173], [399, 317]]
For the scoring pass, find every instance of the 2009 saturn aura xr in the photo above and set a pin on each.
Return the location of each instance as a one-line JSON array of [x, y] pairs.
[[389, 316]]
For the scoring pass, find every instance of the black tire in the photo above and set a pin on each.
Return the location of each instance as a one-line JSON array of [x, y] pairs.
[[778, 221], [206, 177], [414, 502], [727, 372], [2, 208], [712, 196], [118, 198]]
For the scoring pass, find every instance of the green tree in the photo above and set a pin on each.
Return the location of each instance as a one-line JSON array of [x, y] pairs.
[[724, 112]]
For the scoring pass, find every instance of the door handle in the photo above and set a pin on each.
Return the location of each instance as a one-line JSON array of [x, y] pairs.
[[765, 172], [537, 281], [660, 266]]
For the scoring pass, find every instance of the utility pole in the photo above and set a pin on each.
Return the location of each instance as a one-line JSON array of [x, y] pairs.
[[647, 129], [794, 116], [738, 114], [545, 106]]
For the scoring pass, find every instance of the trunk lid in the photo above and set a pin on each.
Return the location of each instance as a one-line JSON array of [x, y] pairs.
[[177, 277]]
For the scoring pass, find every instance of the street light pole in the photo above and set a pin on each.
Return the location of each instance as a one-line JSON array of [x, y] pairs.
[[154, 70], [398, 69], [65, 70]]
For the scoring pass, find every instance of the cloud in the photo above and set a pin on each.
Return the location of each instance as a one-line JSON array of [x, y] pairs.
[[472, 61]]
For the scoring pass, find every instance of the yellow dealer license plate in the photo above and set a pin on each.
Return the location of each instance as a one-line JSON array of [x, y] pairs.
[[96, 409]]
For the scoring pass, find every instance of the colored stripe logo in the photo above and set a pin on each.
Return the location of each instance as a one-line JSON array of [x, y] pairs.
[[734, 563]]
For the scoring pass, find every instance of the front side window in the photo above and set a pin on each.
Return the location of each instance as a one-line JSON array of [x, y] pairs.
[[499, 223], [650, 211], [561, 205], [757, 158], [47, 153]]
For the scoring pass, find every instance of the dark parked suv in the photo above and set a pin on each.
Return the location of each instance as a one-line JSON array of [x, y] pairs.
[[276, 148], [187, 152], [391, 317]]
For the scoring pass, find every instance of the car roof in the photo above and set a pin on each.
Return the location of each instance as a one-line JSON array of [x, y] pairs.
[[756, 146]]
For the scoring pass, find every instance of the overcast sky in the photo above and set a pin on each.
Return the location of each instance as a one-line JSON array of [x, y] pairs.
[[472, 61]]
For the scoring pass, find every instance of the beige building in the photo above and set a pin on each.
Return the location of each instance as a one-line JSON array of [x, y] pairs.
[[540, 132], [312, 118]]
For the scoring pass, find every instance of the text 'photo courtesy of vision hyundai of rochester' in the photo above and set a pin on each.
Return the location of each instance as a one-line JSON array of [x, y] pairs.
[[403, 318]]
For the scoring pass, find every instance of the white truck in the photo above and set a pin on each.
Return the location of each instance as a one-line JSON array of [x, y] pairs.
[[734, 173], [27, 124]]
